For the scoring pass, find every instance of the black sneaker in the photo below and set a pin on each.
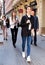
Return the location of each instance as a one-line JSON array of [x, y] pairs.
[[31, 43], [6, 39], [14, 46], [35, 44]]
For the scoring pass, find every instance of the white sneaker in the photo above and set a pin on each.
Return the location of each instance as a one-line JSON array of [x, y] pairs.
[[23, 54], [28, 59]]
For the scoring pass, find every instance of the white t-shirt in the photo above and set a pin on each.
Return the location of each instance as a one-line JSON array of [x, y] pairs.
[[4, 22], [12, 23], [28, 21]]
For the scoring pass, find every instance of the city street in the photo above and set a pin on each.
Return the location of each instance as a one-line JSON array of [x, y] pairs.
[[11, 13], [12, 56]]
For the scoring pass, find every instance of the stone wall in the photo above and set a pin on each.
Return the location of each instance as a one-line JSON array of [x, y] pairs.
[[43, 18], [39, 14]]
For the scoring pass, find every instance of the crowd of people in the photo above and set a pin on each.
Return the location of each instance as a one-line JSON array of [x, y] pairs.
[[29, 26]]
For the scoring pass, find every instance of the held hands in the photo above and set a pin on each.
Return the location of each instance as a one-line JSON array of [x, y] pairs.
[[28, 21]]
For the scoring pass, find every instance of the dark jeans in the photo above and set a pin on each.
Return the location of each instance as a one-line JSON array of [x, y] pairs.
[[28, 38], [35, 37], [14, 35]]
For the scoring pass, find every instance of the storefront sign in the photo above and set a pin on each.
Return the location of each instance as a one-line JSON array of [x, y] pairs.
[[34, 3]]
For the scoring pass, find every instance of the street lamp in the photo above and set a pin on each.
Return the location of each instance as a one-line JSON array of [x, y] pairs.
[[0, 8], [33, 3], [0, 12], [3, 7]]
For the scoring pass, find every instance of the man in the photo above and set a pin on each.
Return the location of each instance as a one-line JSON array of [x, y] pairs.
[[36, 26]]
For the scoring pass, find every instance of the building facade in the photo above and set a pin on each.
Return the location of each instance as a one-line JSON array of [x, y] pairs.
[[9, 5], [19, 5], [0, 8]]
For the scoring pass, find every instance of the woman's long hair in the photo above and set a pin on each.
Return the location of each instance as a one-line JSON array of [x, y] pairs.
[[12, 14]]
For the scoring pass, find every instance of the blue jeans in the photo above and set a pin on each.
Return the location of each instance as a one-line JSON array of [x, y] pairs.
[[28, 38]]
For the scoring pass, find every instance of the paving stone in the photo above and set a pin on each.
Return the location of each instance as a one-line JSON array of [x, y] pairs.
[[11, 56]]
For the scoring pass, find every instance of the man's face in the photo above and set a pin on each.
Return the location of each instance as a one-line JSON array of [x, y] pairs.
[[32, 13]]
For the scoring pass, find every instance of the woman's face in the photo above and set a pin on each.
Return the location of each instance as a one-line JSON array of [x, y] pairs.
[[14, 14], [3, 18], [28, 10]]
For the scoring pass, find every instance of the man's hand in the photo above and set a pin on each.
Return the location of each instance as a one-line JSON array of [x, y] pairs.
[[37, 30], [32, 32]]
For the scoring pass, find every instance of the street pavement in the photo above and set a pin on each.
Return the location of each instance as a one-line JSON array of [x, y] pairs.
[[12, 56]]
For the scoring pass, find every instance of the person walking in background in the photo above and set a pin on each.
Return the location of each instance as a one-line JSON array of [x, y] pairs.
[[36, 25], [7, 25], [7, 22], [4, 28], [27, 25], [14, 27]]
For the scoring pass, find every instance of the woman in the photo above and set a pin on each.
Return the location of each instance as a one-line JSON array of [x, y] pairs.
[[14, 27], [4, 28], [27, 25], [7, 23]]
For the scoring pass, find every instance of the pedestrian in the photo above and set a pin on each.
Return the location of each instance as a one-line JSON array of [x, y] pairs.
[[14, 27], [27, 26], [4, 28], [7, 22], [36, 25]]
